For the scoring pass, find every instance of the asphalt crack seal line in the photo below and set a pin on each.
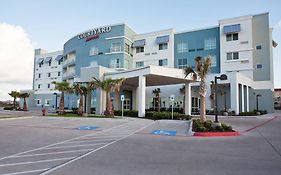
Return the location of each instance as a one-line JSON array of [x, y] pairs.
[[248, 130], [90, 152]]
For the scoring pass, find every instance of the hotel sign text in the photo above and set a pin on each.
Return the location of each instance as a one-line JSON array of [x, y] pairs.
[[94, 32]]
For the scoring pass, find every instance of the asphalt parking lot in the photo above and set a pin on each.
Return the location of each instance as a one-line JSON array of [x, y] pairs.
[[56, 146]]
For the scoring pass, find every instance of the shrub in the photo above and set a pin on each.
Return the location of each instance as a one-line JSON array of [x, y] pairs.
[[8, 108], [206, 126], [149, 115], [75, 110], [132, 113]]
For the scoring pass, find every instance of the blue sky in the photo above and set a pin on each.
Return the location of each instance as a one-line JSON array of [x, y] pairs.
[[50, 23]]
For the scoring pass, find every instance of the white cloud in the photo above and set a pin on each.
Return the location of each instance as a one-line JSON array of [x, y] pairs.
[[16, 59]]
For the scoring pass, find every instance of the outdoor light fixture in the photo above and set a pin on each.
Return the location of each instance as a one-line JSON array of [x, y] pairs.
[[222, 77]]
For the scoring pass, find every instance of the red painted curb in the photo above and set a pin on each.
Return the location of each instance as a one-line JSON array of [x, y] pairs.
[[216, 134]]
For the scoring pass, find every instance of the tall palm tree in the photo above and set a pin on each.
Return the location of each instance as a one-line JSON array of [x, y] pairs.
[[15, 95], [182, 91], [63, 87], [109, 85], [24, 96], [157, 92], [202, 68], [83, 90]]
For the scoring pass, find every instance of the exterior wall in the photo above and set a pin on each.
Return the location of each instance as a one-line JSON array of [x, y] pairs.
[[195, 47], [152, 54], [244, 45], [265, 101]]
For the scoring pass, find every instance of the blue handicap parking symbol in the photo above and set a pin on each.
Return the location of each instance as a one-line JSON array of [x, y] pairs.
[[164, 132], [87, 128]]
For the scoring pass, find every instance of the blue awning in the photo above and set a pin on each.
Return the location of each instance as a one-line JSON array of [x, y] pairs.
[[48, 59], [139, 43], [232, 28], [162, 39], [40, 60], [59, 58]]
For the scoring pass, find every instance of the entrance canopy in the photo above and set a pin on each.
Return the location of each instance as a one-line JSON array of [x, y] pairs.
[[155, 76]]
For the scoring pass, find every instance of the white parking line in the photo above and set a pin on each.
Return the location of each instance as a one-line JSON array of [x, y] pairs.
[[39, 161], [92, 140], [70, 146], [95, 150], [51, 153], [25, 172]]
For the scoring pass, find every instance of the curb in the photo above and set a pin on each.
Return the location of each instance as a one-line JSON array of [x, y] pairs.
[[216, 134]]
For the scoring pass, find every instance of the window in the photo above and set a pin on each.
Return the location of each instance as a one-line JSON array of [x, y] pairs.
[[182, 47], [210, 43], [182, 63], [47, 102], [49, 85], [232, 56], [163, 62], [93, 51], [127, 48], [39, 75], [58, 74], [232, 37], [48, 74], [140, 49], [40, 64], [38, 102], [38, 86], [163, 46], [259, 66], [115, 47], [115, 63], [258, 47], [214, 60], [50, 63], [139, 64]]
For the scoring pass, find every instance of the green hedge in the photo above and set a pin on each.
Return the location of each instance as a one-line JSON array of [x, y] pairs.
[[206, 126], [8, 108], [154, 115]]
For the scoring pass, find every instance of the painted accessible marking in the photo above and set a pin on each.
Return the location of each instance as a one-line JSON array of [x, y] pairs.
[[87, 128], [164, 132]]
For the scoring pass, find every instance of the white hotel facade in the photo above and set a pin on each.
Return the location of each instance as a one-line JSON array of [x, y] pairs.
[[240, 47]]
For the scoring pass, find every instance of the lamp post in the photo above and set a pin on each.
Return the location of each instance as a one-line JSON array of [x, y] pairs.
[[222, 77], [56, 104], [257, 101]]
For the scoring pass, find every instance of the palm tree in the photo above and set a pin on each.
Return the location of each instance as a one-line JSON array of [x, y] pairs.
[[24, 96], [157, 92], [15, 95], [182, 91], [109, 85], [83, 91], [62, 87], [202, 68]]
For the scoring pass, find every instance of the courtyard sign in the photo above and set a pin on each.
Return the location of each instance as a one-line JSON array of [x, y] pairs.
[[94, 32]]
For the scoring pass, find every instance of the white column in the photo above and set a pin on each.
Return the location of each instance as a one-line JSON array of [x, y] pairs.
[[242, 99], [234, 102], [247, 99], [141, 96], [208, 101], [187, 94]]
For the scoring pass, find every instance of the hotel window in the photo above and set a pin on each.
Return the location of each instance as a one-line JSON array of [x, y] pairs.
[[39, 75], [259, 66], [48, 74], [115, 63], [38, 102], [58, 74], [115, 47], [40, 64], [139, 64], [140, 49], [210, 43], [231, 36], [182, 63], [232, 56], [49, 85], [163, 46], [47, 102], [163, 62], [38, 86], [50, 63], [93, 51], [182, 47], [214, 60], [127, 48]]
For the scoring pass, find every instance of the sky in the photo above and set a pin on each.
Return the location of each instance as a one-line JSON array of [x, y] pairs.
[[48, 24]]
